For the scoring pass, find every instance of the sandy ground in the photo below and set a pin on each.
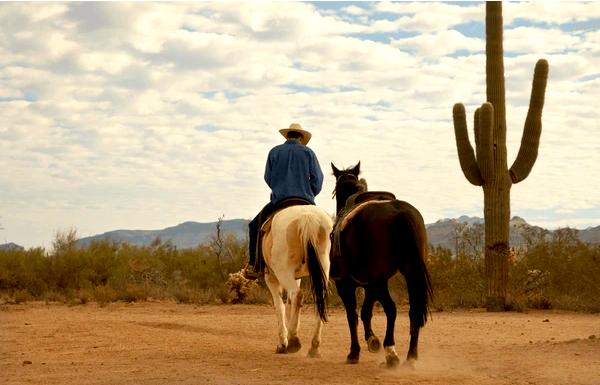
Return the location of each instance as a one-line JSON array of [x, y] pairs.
[[167, 343]]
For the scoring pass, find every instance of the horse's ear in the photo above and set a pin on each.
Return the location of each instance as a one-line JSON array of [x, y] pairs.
[[336, 172], [356, 169]]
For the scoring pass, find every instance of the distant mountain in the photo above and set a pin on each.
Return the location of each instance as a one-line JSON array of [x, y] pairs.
[[441, 233], [444, 232], [11, 246], [184, 235], [590, 235]]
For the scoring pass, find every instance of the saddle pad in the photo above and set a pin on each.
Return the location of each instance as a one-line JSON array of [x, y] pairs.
[[266, 227], [352, 213], [373, 195], [289, 202]]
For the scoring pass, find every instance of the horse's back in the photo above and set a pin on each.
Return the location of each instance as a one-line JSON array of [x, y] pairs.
[[395, 214]]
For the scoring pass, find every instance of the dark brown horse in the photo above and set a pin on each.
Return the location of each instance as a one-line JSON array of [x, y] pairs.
[[370, 245]]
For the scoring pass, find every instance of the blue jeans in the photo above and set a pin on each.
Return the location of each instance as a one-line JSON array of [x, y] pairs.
[[253, 232]]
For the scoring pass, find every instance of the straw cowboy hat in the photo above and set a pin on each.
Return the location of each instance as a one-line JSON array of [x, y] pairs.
[[298, 128]]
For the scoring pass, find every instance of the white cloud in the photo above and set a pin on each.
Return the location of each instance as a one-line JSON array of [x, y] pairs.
[[144, 115], [354, 10], [429, 17], [440, 43], [539, 40], [555, 12]]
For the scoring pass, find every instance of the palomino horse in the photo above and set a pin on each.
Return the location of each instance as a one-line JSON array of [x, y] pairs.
[[297, 245], [371, 244]]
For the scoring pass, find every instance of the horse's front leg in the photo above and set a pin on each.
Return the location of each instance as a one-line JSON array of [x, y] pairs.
[[366, 314], [347, 291], [275, 289]]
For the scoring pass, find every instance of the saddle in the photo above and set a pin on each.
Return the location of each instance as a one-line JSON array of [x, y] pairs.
[[266, 227], [354, 204]]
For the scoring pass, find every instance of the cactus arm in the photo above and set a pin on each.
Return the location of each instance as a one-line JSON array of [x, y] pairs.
[[533, 125], [466, 156], [477, 132], [485, 153]]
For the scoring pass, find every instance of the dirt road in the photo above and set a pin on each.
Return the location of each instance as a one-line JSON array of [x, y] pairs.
[[166, 343]]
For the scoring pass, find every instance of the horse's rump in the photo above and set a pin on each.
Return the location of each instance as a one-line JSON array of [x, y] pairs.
[[293, 229], [383, 238]]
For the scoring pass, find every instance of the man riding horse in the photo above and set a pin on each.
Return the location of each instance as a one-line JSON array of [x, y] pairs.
[[294, 175]]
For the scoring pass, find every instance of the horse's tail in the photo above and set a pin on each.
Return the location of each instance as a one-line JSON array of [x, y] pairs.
[[313, 233], [418, 281]]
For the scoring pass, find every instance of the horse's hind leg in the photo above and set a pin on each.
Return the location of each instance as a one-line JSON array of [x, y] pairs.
[[391, 357], [316, 340], [413, 353], [347, 292], [275, 289], [313, 352], [366, 314], [416, 322], [294, 303]]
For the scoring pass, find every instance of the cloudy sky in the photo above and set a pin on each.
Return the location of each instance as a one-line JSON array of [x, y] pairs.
[[145, 115]]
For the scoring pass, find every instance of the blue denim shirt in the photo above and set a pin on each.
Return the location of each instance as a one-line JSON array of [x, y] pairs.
[[293, 171]]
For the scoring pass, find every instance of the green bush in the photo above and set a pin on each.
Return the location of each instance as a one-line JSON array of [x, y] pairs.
[[553, 271], [106, 271]]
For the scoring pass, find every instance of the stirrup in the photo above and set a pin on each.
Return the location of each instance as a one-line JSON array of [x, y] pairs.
[[251, 273]]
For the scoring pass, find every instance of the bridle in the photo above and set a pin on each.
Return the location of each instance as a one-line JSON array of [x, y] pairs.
[[337, 180]]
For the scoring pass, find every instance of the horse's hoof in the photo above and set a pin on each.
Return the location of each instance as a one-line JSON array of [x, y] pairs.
[[352, 359], [281, 349], [410, 364], [373, 344], [392, 361], [293, 345], [314, 353]]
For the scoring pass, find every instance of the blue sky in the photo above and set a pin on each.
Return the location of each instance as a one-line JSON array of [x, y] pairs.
[[145, 115]]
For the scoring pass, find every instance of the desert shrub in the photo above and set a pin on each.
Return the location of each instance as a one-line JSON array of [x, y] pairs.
[[24, 270], [261, 295], [240, 287], [558, 271], [21, 296], [53, 296], [210, 295], [458, 281], [554, 270], [184, 295], [104, 294], [133, 293]]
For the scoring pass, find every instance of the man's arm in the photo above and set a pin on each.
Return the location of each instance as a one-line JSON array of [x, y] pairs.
[[316, 175], [268, 168]]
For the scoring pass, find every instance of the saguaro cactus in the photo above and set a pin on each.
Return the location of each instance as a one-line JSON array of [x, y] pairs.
[[487, 166]]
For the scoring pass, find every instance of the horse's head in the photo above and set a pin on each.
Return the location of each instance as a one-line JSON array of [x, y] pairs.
[[347, 184]]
